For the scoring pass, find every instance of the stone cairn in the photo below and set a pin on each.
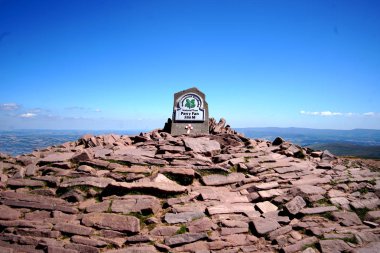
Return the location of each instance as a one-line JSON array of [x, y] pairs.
[[206, 193]]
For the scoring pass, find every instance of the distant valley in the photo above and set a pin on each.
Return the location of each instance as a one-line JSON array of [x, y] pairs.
[[363, 143]]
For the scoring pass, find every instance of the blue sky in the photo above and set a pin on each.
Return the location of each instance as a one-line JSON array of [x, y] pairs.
[[78, 64]]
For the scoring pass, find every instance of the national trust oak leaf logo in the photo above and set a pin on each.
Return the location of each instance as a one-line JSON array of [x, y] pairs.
[[190, 103]]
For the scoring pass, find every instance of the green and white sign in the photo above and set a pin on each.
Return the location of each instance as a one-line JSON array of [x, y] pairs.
[[190, 108]]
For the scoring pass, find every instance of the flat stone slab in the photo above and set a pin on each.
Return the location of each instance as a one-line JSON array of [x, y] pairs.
[[307, 190], [178, 171], [266, 186], [73, 229], [7, 213], [24, 183], [57, 157], [267, 194], [36, 202], [100, 182], [181, 239], [300, 245], [266, 207], [173, 218], [310, 181], [136, 203], [217, 180], [334, 246], [222, 194], [369, 248], [202, 145], [164, 230], [112, 221], [283, 170], [316, 210], [115, 167], [295, 205], [340, 201], [264, 226], [172, 149], [347, 218], [365, 203], [152, 188], [373, 216], [232, 208], [135, 249]]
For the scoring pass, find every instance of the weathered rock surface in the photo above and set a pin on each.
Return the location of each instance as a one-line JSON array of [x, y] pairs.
[[202, 145], [112, 221], [177, 240], [295, 205], [217, 193], [137, 204]]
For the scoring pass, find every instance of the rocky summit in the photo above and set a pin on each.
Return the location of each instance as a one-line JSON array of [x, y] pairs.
[[219, 192]]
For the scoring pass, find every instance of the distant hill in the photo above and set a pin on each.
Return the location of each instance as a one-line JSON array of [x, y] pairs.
[[357, 142]]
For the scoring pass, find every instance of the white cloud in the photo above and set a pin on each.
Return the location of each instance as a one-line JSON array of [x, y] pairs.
[[346, 114], [9, 107], [369, 114], [97, 110], [324, 113], [28, 115], [328, 113]]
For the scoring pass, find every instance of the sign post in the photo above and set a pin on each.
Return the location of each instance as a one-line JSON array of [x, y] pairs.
[[190, 113]]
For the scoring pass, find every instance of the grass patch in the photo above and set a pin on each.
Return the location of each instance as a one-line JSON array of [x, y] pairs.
[[372, 181], [361, 212], [234, 168], [351, 239], [141, 217], [363, 190], [181, 230], [323, 202], [207, 172], [327, 215]]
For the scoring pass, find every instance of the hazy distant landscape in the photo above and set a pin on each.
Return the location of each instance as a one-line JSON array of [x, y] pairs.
[[358, 142], [17, 142]]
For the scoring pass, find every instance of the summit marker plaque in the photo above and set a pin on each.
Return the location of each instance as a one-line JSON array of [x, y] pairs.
[[190, 113]]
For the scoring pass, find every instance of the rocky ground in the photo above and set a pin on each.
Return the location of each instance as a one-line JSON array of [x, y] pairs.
[[215, 193]]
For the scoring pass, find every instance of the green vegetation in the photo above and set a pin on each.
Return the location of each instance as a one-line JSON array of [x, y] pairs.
[[361, 212], [363, 190], [181, 230], [207, 172], [351, 239], [327, 215], [323, 202], [141, 217]]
